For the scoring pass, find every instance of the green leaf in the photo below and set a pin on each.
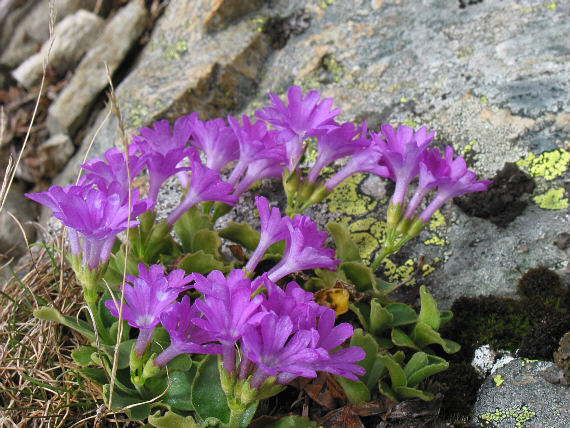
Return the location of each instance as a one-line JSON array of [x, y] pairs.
[[330, 277], [178, 395], [380, 318], [433, 365], [450, 347], [418, 361], [362, 312], [82, 355], [207, 241], [399, 338], [445, 317], [172, 420], [94, 374], [51, 314], [359, 275], [208, 398], [200, 262], [356, 391], [402, 313], [122, 400], [181, 363], [240, 233], [383, 286], [124, 353], [407, 393], [293, 422], [346, 249], [397, 375], [370, 348], [189, 224], [387, 391], [428, 312]]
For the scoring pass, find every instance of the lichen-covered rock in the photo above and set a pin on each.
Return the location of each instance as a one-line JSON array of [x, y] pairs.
[[516, 395], [72, 38], [492, 79], [73, 103], [12, 242]]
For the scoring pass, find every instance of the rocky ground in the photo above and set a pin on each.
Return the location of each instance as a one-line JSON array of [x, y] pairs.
[[491, 77]]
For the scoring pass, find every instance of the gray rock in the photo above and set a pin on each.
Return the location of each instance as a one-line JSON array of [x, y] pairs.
[[391, 61], [518, 395], [72, 105], [26, 32], [72, 38], [54, 153], [12, 242]]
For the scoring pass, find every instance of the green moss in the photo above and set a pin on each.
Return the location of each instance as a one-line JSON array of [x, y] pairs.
[[520, 415], [552, 200], [540, 281]]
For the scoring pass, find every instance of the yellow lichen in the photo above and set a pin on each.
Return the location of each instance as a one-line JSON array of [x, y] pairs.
[[346, 199], [552, 200], [410, 122], [399, 273], [551, 6], [519, 414], [498, 380], [435, 240], [468, 147], [437, 220], [548, 165], [427, 269]]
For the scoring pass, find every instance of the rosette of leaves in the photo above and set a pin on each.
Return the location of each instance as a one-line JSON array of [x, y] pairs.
[[404, 380], [397, 324]]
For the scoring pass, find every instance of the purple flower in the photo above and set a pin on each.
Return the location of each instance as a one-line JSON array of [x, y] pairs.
[[261, 168], [255, 143], [278, 351], [227, 308], [303, 249], [434, 169], [111, 174], [93, 218], [185, 336], [459, 181], [164, 150], [273, 229], [205, 185], [294, 302], [300, 119], [402, 153], [335, 144], [151, 293], [340, 362], [215, 139], [368, 159]]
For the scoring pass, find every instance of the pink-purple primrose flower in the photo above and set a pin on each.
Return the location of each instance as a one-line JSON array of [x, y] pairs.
[[279, 333]]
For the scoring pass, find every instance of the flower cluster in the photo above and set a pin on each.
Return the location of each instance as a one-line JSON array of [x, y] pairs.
[[303, 242], [280, 333]]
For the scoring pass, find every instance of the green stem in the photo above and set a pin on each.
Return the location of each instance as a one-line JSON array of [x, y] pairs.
[[234, 419], [386, 251]]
